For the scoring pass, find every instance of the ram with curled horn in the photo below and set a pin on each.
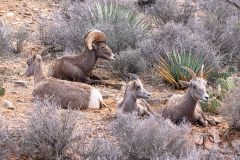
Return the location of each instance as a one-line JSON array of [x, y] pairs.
[[186, 106], [79, 67]]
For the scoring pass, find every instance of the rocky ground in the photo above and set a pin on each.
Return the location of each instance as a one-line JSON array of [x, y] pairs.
[[16, 13]]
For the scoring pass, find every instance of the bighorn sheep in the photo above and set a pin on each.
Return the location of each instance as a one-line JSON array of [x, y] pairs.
[[134, 99], [79, 68], [68, 94], [186, 106]]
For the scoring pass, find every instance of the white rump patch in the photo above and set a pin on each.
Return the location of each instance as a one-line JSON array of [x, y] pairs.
[[95, 99]]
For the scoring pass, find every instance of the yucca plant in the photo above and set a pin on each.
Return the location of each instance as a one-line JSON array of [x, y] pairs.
[[114, 12], [169, 66]]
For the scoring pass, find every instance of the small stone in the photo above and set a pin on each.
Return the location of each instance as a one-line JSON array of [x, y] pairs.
[[20, 83], [8, 104], [218, 120], [208, 144], [214, 135], [9, 14], [198, 139]]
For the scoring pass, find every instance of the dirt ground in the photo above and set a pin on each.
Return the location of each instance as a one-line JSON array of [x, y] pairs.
[[16, 13]]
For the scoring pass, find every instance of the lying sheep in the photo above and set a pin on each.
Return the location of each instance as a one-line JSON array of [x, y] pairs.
[[79, 67], [134, 99], [186, 106], [68, 94]]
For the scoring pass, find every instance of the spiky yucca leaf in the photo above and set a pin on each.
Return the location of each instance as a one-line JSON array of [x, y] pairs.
[[169, 66], [112, 11]]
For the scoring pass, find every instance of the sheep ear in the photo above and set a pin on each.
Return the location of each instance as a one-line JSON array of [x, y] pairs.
[[134, 84], [94, 46], [185, 83], [34, 57]]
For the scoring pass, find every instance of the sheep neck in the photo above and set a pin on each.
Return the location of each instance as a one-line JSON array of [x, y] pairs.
[[38, 73], [87, 59], [129, 103], [189, 102]]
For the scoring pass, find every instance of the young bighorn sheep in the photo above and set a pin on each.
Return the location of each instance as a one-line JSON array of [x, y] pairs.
[[68, 94], [186, 106], [134, 99], [79, 68]]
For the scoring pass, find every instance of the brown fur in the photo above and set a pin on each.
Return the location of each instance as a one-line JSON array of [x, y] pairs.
[[69, 94], [79, 68], [133, 100], [186, 106]]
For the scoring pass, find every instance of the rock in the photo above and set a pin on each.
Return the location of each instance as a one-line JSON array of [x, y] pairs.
[[9, 14], [208, 144], [20, 83], [218, 120], [198, 139], [215, 135], [8, 104]]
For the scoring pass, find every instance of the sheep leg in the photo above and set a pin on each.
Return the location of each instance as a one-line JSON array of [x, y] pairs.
[[202, 122], [102, 82], [149, 111], [95, 77], [74, 72], [210, 121]]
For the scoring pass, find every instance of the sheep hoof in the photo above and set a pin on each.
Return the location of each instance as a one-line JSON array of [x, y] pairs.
[[204, 124], [212, 122]]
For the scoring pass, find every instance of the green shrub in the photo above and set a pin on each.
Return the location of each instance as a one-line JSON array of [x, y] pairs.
[[169, 66], [212, 106], [2, 90], [232, 69], [129, 61], [227, 84]]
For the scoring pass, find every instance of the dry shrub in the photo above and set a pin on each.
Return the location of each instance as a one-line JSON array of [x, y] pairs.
[[129, 61], [170, 10], [220, 25], [177, 37], [6, 142], [152, 138], [122, 25], [100, 149], [231, 109], [6, 45], [50, 133]]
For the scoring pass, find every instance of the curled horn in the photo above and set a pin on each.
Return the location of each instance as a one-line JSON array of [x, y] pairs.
[[134, 76], [94, 35], [201, 71], [191, 72]]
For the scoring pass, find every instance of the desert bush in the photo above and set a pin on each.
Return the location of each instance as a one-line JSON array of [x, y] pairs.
[[100, 149], [21, 36], [176, 37], [6, 143], [169, 66], [5, 39], [49, 133], [220, 21], [122, 25], [151, 138], [129, 61], [170, 10], [232, 108], [236, 146]]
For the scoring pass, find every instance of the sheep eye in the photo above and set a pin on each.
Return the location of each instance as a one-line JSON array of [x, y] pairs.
[[194, 87], [138, 87]]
